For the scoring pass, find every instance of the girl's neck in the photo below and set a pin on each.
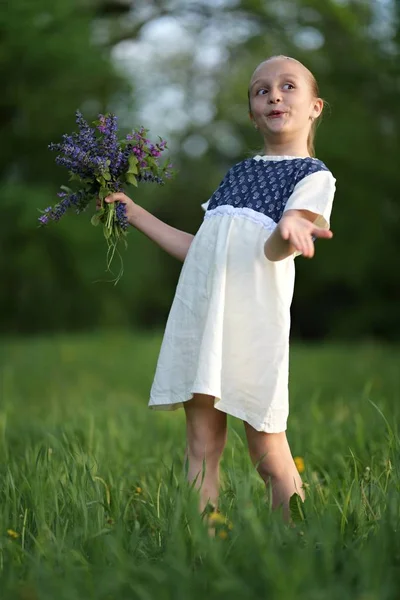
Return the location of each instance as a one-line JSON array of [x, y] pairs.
[[286, 149]]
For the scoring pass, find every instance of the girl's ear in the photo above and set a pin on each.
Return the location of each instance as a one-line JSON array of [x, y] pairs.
[[317, 108]]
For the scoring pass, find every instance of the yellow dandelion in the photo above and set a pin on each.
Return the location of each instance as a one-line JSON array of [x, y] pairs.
[[138, 490], [215, 518], [13, 533], [299, 461], [223, 534]]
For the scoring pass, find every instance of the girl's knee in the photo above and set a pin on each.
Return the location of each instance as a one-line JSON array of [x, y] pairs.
[[270, 453], [206, 445], [206, 428], [273, 467]]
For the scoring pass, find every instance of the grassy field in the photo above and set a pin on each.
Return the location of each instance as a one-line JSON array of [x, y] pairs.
[[93, 502]]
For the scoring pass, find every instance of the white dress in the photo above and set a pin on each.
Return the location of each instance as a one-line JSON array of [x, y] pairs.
[[227, 332]]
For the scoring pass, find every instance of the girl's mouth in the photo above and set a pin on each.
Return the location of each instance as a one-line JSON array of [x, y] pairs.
[[275, 114]]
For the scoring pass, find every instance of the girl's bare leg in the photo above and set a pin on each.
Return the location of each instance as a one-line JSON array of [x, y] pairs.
[[206, 438], [271, 453]]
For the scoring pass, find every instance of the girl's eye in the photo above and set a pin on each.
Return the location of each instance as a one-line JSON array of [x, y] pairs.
[[260, 92], [288, 86]]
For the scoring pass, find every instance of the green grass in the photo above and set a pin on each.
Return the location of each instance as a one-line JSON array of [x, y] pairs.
[[92, 481]]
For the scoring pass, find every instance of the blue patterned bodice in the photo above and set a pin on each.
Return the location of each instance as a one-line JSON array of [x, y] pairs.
[[263, 185]]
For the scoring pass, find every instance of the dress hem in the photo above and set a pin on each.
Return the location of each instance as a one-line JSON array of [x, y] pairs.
[[219, 405]]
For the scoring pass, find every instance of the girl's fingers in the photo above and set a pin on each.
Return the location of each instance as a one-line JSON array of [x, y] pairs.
[[303, 243], [322, 233], [284, 232], [300, 236], [305, 246], [116, 196], [309, 247], [296, 241]]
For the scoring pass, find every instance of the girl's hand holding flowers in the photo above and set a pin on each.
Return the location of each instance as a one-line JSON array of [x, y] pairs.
[[300, 232], [130, 206], [103, 165]]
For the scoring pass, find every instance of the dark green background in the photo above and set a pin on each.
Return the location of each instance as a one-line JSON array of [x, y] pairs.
[[51, 64]]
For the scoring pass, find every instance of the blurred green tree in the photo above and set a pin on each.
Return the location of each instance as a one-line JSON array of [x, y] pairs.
[[50, 65]]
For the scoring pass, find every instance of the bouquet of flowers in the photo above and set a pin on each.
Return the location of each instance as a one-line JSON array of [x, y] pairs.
[[101, 164]]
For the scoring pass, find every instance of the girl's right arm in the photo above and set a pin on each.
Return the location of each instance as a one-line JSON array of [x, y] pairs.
[[174, 241]]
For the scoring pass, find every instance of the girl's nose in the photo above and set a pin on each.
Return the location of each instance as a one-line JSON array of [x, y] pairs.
[[274, 96]]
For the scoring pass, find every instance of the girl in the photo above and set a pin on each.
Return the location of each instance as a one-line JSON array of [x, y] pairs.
[[226, 342]]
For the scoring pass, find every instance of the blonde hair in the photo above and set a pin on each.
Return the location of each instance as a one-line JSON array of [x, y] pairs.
[[315, 92]]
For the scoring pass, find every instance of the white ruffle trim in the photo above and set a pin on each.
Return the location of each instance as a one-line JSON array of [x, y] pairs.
[[243, 211], [278, 157]]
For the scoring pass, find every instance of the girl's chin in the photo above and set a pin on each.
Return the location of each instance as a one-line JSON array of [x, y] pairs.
[[276, 129]]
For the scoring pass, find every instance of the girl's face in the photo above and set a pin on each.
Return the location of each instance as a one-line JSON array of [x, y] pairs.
[[281, 99]]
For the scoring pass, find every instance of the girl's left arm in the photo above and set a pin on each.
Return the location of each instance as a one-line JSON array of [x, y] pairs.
[[306, 215], [294, 234]]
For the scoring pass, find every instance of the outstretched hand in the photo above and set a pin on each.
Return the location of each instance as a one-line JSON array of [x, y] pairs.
[[299, 231]]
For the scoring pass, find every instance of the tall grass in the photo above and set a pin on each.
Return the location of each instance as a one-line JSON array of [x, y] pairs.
[[93, 499]]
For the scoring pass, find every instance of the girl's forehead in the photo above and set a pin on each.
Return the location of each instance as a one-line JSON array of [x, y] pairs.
[[277, 67]]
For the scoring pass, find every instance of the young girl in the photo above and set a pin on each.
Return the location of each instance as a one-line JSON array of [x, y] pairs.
[[226, 342]]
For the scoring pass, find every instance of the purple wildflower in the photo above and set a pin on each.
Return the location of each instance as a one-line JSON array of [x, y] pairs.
[[109, 144], [146, 176], [121, 161], [121, 216], [87, 135], [54, 213]]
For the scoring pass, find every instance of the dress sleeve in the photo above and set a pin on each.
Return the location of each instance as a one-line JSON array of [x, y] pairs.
[[204, 206], [314, 193]]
